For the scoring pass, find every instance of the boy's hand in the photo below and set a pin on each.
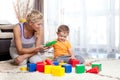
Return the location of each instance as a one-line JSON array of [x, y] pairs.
[[72, 57]]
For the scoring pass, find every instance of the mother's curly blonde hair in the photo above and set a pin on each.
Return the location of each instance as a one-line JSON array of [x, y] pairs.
[[34, 16]]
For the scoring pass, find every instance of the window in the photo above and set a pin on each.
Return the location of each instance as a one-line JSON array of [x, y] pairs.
[[7, 12], [93, 23]]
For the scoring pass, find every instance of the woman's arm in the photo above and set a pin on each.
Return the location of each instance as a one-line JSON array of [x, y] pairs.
[[39, 35], [18, 42]]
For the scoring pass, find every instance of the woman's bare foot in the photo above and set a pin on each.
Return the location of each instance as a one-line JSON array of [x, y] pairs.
[[19, 59]]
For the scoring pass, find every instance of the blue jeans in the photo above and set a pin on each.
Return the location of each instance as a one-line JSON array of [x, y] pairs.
[[66, 59]]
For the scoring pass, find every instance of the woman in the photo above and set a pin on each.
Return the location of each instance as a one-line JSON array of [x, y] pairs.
[[26, 44]]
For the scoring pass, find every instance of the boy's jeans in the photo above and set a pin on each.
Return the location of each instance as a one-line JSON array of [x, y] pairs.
[[66, 59]]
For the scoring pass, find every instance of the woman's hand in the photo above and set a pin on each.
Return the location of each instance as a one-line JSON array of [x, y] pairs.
[[41, 48], [37, 49]]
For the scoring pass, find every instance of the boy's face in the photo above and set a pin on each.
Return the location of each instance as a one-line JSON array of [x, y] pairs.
[[62, 36]]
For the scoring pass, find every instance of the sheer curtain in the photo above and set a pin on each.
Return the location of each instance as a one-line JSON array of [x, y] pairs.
[[94, 24]]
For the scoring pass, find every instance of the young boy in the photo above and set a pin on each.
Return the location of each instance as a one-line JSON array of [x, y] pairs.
[[62, 49]]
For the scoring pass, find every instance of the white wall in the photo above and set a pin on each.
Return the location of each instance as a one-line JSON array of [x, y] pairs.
[[7, 12]]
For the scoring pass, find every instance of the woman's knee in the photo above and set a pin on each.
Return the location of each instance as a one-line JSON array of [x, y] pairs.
[[35, 59]]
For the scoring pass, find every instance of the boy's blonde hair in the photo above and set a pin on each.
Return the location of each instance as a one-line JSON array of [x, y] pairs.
[[34, 16], [63, 28]]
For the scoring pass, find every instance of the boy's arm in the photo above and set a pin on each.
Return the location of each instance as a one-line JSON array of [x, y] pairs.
[[71, 53]]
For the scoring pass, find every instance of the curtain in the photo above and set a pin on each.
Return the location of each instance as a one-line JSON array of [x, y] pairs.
[[39, 5], [119, 27], [94, 24]]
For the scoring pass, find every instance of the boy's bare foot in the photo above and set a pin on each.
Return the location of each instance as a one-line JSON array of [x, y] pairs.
[[61, 61], [88, 63]]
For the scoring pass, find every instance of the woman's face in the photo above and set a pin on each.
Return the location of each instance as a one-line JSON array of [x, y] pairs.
[[36, 26]]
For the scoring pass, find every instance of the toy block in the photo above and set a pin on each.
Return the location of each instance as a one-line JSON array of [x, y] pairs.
[[58, 71], [98, 65], [40, 67], [55, 62], [31, 67], [53, 68], [73, 62], [61, 72], [41, 62], [23, 68], [47, 69], [80, 68], [50, 43], [48, 62], [68, 68], [94, 70], [61, 63]]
